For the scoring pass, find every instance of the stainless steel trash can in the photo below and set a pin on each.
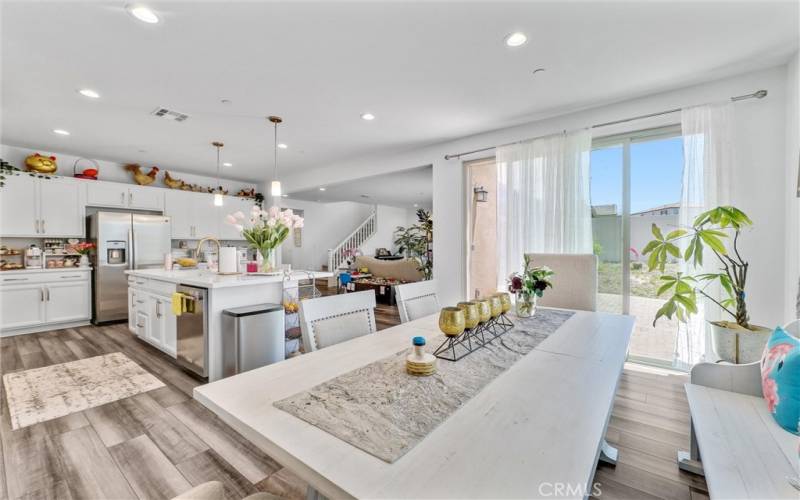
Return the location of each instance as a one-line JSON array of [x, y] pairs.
[[253, 336]]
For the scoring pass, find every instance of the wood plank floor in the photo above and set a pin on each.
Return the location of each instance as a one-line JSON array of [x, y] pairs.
[[160, 443]]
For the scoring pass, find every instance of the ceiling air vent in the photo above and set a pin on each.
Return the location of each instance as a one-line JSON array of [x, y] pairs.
[[170, 114]]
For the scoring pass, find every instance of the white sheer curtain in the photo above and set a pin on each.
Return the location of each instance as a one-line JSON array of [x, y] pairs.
[[543, 200], [707, 160]]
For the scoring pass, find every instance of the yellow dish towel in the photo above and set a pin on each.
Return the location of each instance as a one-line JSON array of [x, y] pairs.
[[177, 303]]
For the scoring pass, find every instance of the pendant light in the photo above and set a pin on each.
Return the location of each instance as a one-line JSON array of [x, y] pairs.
[[218, 199], [275, 187]]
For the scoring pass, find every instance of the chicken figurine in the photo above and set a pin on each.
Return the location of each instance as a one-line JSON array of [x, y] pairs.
[[172, 182], [140, 177]]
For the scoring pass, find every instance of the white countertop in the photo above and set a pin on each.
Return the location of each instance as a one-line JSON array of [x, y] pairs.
[[210, 279], [46, 270]]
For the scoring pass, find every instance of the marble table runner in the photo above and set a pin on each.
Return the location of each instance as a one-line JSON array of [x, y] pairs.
[[382, 410]]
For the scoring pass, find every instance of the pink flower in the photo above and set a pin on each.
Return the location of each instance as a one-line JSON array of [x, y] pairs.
[[230, 219], [288, 212], [239, 215], [274, 212], [239, 227]]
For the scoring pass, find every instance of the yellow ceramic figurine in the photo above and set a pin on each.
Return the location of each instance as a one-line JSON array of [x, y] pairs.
[[41, 164]]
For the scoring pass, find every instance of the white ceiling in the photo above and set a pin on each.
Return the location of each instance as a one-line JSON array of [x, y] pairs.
[[401, 189], [429, 71]]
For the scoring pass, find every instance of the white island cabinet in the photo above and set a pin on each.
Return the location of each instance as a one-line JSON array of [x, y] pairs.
[[150, 304], [35, 300]]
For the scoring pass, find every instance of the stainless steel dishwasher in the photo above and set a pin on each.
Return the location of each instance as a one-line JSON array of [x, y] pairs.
[[193, 329]]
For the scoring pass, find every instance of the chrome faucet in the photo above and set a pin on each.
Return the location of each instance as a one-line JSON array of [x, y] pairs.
[[200, 244]]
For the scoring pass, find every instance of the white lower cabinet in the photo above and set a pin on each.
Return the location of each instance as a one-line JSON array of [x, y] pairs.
[[38, 301], [150, 317], [22, 306]]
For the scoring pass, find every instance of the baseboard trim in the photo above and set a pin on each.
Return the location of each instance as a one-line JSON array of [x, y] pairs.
[[43, 328]]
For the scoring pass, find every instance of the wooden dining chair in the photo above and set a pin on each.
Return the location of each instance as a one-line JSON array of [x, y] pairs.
[[575, 281], [326, 321], [415, 300]]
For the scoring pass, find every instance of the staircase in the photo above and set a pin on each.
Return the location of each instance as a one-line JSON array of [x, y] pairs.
[[364, 231]]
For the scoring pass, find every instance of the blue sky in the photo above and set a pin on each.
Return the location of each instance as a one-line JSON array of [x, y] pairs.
[[656, 168]]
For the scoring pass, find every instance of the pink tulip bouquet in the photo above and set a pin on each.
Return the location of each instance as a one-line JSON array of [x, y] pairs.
[[265, 230]]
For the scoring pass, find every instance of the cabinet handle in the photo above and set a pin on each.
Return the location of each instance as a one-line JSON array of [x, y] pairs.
[[47, 293], [140, 302], [43, 229], [41, 294], [15, 279], [139, 325], [71, 276], [130, 198], [158, 309]]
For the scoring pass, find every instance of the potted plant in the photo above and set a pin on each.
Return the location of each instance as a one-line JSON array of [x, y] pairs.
[[83, 249], [415, 242], [265, 230], [529, 286], [717, 230]]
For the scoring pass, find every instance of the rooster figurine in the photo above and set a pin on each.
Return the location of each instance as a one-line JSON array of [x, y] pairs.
[[172, 182], [141, 178]]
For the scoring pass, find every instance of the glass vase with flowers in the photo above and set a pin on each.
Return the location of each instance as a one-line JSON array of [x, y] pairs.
[[528, 286], [265, 230]]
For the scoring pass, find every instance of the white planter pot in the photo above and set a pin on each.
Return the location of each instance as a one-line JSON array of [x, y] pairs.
[[750, 343]]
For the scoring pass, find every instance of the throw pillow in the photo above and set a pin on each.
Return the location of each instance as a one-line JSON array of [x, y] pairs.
[[780, 379]]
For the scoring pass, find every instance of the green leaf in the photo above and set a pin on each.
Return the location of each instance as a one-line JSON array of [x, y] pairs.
[[673, 250], [650, 247], [657, 233], [713, 241], [687, 302], [664, 288], [677, 233]]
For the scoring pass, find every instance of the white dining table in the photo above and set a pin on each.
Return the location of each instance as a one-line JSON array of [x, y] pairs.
[[536, 429]]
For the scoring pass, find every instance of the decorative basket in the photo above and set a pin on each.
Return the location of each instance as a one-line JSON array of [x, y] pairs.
[[87, 173]]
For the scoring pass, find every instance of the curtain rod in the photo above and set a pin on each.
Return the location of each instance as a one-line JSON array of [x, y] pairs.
[[755, 95]]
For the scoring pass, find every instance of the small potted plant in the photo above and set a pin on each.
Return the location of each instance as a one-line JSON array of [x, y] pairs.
[[736, 341], [529, 286], [83, 249]]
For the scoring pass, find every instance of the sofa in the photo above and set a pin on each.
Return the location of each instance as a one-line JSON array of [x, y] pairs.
[[402, 270]]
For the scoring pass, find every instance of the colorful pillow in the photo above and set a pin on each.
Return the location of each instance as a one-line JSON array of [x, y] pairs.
[[780, 379]]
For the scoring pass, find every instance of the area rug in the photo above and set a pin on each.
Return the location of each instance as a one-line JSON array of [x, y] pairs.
[[42, 394], [382, 410]]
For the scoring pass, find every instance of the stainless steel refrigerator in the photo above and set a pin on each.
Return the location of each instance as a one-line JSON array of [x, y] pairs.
[[124, 241]]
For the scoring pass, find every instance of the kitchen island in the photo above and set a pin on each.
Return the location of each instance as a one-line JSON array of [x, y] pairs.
[[151, 318]]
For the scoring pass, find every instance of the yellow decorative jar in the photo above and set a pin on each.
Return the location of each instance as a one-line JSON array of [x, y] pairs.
[[484, 310], [505, 300], [496, 306], [452, 321], [471, 315]]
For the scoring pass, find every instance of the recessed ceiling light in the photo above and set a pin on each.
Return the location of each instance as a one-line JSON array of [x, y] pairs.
[[286, 196], [282, 146], [60, 131], [143, 14], [322, 189], [416, 205], [227, 164], [368, 116], [516, 39], [89, 93]]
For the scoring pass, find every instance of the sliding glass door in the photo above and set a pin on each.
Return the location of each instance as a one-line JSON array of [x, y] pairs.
[[635, 183]]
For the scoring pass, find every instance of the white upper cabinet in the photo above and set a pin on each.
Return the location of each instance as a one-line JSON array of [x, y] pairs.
[[116, 195], [62, 209], [19, 206], [146, 198], [194, 216], [106, 194], [38, 207]]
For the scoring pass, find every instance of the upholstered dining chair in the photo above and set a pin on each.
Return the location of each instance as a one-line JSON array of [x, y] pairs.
[[415, 300], [575, 281], [326, 321]]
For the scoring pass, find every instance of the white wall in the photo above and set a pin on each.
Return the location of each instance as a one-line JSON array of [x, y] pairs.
[[792, 254], [114, 172], [327, 224], [759, 172]]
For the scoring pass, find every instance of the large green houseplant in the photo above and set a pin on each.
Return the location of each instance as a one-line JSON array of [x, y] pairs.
[[718, 231], [415, 241]]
